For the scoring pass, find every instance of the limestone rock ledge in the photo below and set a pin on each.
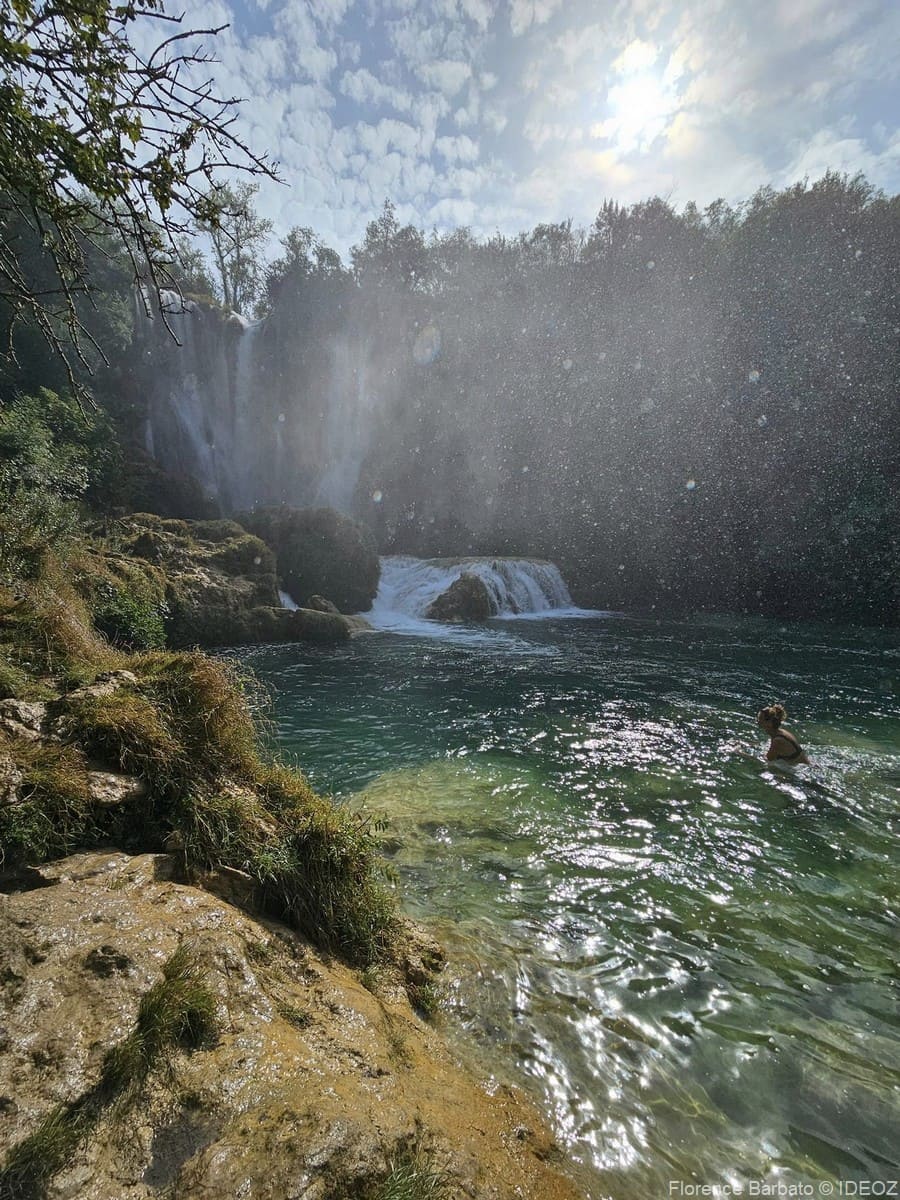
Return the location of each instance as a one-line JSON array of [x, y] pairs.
[[316, 1081]]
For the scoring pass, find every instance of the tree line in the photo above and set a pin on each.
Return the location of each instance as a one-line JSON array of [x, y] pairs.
[[684, 409]]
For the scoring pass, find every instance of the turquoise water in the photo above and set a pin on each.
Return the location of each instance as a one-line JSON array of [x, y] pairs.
[[690, 958]]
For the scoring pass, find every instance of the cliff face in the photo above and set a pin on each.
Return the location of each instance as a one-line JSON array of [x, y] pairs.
[[317, 1083]]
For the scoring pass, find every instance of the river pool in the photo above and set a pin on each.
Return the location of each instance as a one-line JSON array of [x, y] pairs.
[[690, 958]]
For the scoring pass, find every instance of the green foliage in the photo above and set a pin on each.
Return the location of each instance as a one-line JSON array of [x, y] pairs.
[[50, 454], [83, 152], [177, 1012], [391, 255], [237, 234], [132, 618]]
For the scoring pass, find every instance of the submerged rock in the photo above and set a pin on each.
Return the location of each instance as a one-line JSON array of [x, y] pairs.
[[313, 1086], [466, 599]]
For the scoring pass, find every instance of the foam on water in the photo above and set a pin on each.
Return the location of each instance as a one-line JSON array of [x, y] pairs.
[[518, 588]]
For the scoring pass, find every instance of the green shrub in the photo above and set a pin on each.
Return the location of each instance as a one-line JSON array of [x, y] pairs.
[[51, 454], [134, 619]]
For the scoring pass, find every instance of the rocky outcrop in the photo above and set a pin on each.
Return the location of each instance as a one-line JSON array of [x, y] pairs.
[[216, 575], [220, 585], [466, 599], [320, 553], [302, 625], [311, 1086], [320, 604]]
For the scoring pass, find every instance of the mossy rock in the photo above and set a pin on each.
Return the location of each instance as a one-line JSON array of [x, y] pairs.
[[320, 552], [300, 625], [150, 488], [215, 575]]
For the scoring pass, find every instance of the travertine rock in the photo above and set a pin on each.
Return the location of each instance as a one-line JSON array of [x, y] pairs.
[[315, 1082]]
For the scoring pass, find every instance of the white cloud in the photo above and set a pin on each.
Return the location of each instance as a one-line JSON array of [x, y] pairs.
[[329, 12], [457, 149], [451, 214], [295, 25], [523, 14], [364, 88], [829, 150], [495, 120], [449, 76]]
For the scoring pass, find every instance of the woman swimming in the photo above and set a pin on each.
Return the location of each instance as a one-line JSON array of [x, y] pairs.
[[783, 746]]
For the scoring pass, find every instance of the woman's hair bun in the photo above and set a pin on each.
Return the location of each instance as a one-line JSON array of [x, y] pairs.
[[778, 712]]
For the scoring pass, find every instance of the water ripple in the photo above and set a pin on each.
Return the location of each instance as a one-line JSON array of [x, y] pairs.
[[691, 956]]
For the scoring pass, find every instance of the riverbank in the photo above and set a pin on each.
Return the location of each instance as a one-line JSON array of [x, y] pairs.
[[313, 1081], [206, 986]]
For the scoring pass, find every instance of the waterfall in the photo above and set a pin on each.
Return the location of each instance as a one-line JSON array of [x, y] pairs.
[[516, 586], [256, 414], [197, 393]]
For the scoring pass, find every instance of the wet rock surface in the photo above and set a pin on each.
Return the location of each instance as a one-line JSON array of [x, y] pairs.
[[466, 599], [315, 1082]]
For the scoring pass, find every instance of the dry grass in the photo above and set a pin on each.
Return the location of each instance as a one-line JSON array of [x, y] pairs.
[[53, 815], [186, 728]]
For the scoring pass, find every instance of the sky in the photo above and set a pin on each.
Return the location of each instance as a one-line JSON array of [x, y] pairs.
[[500, 114]]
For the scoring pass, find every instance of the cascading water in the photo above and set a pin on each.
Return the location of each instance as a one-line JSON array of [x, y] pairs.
[[250, 412], [199, 408], [518, 587]]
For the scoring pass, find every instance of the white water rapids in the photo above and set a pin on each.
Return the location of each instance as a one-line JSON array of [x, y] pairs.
[[518, 587]]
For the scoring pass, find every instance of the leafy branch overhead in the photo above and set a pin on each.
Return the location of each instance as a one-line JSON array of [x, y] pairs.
[[110, 127]]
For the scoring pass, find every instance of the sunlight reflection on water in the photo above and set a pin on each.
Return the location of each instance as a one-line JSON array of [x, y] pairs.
[[691, 956]]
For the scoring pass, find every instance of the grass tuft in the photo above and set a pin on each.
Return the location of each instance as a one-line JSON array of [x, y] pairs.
[[300, 1018], [52, 815], [412, 1175], [177, 1012], [126, 731], [13, 680], [32, 1163]]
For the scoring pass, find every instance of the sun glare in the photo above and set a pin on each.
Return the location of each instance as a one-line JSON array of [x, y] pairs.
[[640, 107]]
